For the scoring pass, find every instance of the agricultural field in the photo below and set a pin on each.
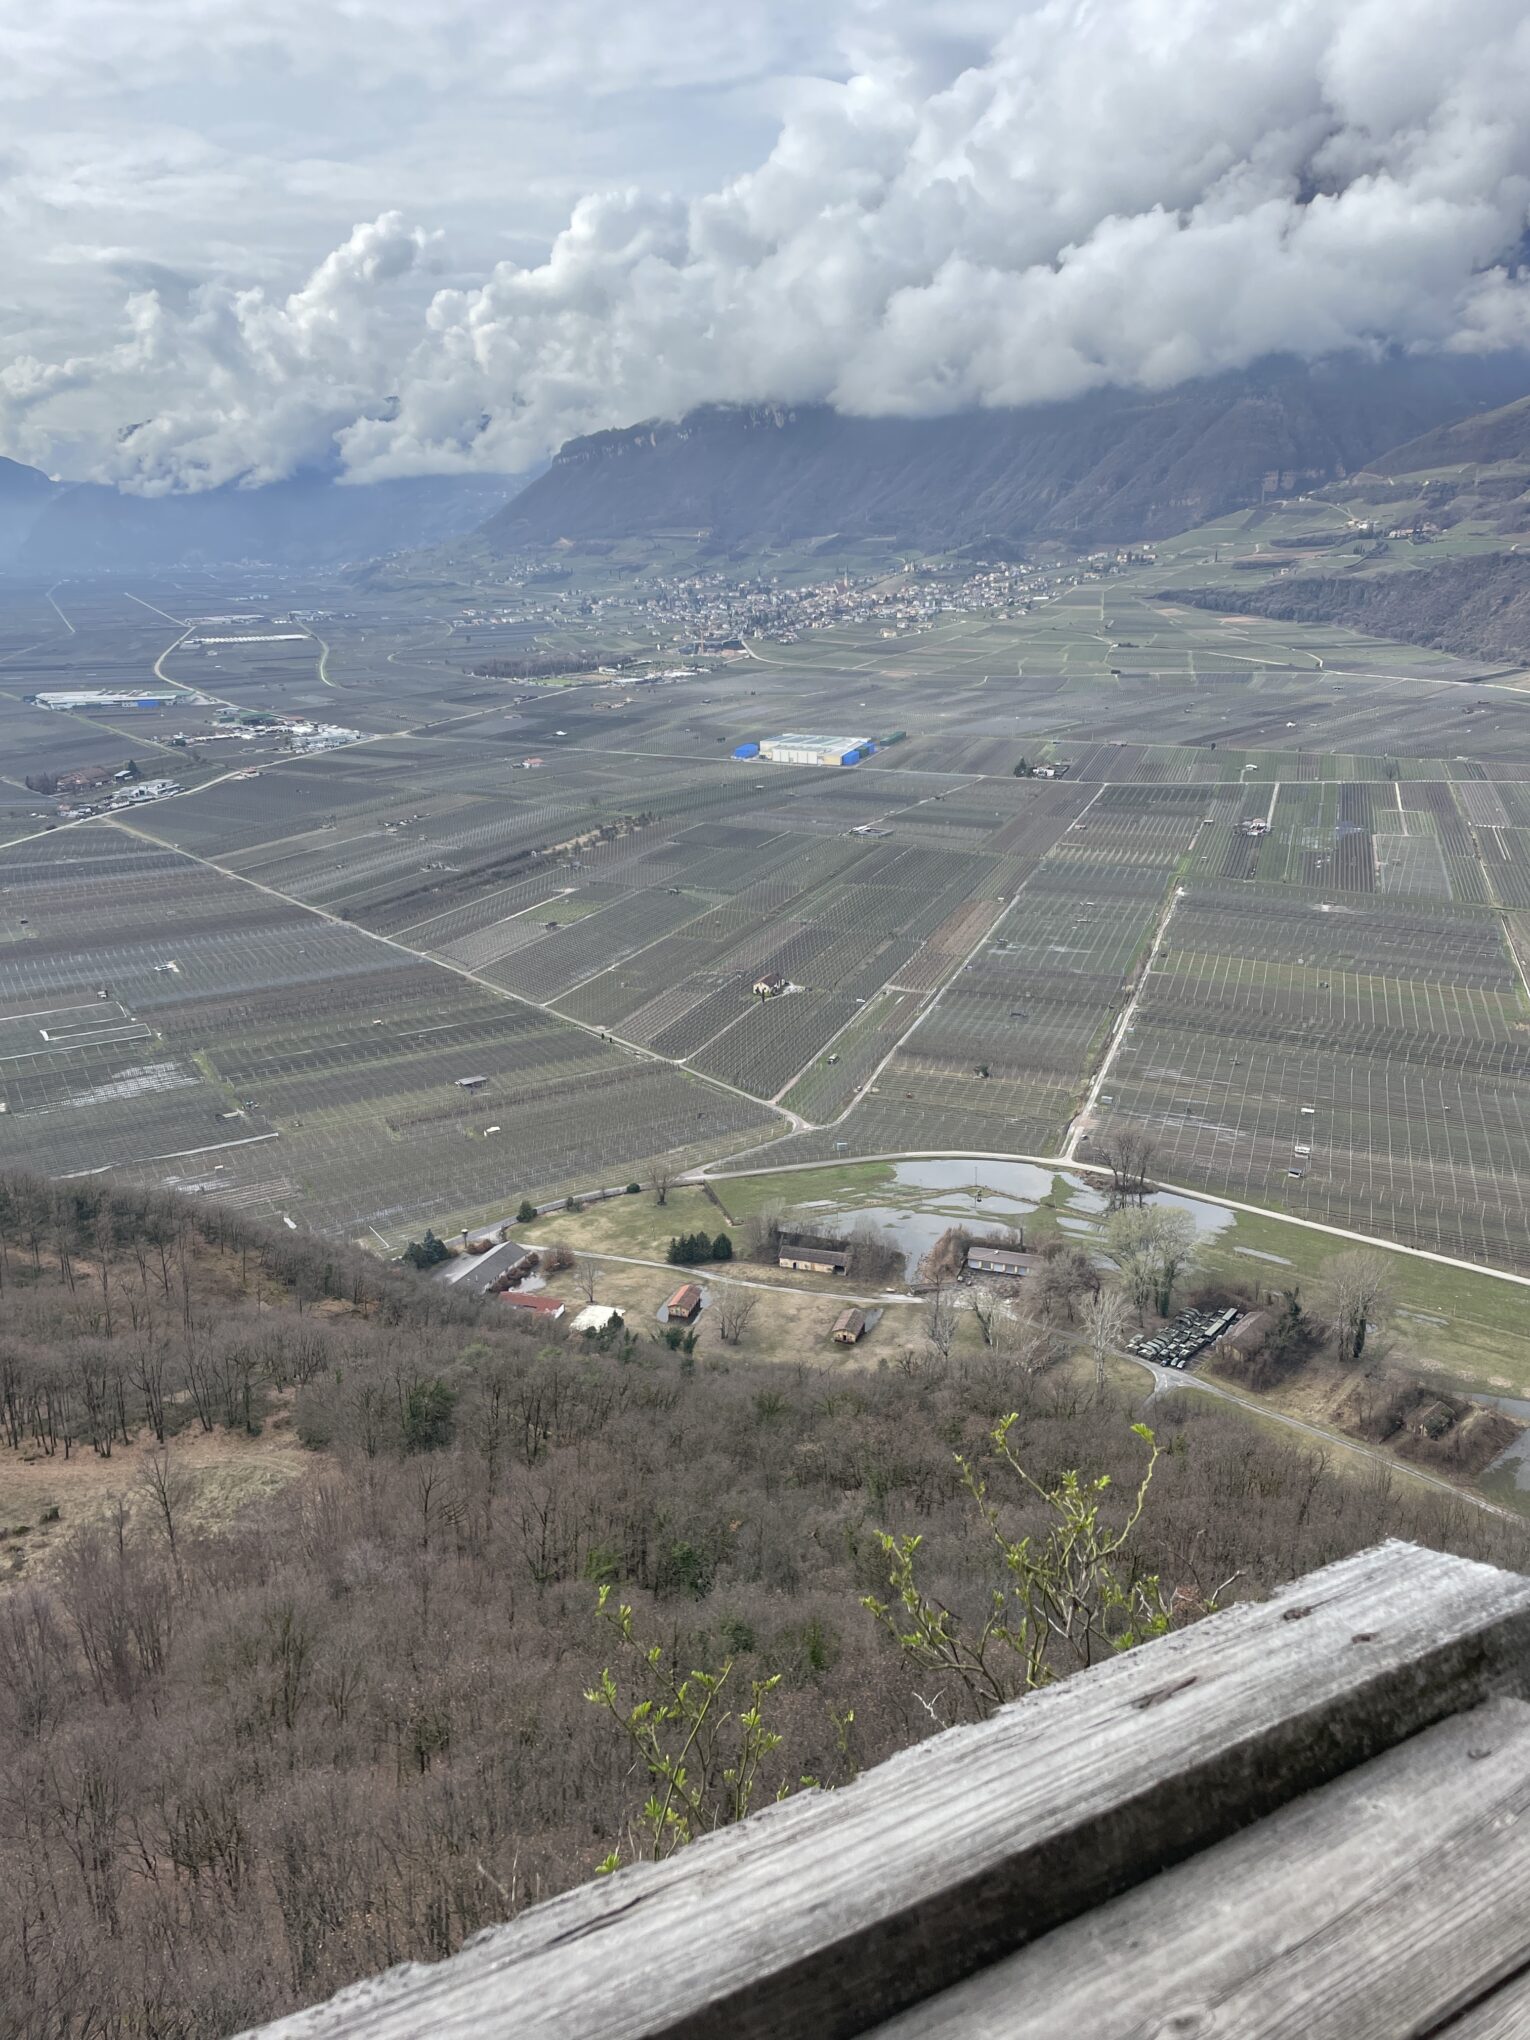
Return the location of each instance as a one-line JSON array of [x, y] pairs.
[[1361, 1063], [1275, 911], [184, 1030]]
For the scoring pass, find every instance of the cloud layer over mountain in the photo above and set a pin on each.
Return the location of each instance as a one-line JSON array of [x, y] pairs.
[[954, 213]]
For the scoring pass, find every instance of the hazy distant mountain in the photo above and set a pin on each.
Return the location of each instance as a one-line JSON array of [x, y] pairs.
[[1115, 465], [48, 527], [24, 494]]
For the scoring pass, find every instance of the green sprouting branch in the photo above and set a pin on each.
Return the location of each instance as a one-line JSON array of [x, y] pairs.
[[1067, 1596], [702, 1758]]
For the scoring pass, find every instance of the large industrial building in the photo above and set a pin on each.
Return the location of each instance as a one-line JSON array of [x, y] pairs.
[[799, 748], [102, 697]]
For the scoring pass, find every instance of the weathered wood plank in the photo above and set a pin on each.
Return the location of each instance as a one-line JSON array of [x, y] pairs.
[[833, 1911], [1505, 2015], [1370, 1909]]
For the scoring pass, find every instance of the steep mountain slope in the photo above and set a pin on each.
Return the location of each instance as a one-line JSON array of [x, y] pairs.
[[1114, 465], [310, 519], [1467, 481], [1488, 438], [1477, 607]]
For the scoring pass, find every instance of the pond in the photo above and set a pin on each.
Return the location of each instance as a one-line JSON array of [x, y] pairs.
[[935, 1192], [1511, 1469]]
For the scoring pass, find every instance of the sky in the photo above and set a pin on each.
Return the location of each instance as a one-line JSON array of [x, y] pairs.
[[242, 237]]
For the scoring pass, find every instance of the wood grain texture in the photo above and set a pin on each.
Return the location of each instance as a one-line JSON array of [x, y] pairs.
[[1370, 1909], [833, 1911], [1503, 2015]]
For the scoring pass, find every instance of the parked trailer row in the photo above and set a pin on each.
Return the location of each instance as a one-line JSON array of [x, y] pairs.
[[1191, 1332]]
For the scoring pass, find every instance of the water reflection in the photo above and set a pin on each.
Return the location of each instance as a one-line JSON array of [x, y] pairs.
[[935, 1192], [1511, 1469]]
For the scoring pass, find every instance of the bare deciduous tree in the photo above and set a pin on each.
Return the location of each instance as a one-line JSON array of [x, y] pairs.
[[348, 1728], [1152, 1245], [1021, 1340], [940, 1323], [736, 1307], [1060, 1280], [585, 1275], [1129, 1155], [1359, 1295], [986, 1307], [661, 1179], [761, 1233], [169, 1488], [1104, 1319]]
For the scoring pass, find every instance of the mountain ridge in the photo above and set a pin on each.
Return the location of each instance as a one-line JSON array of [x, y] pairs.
[[1114, 466]]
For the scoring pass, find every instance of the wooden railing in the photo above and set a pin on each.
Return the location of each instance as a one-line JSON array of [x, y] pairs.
[[1307, 1817]]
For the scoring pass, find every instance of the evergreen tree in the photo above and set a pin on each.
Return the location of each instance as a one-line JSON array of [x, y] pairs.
[[427, 1416]]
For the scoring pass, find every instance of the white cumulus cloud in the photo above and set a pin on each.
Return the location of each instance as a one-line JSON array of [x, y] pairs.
[[953, 214]]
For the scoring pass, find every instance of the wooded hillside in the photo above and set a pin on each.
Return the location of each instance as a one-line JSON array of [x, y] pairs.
[[251, 1754]]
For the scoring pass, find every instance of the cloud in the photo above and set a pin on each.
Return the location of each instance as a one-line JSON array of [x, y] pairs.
[[251, 386], [1104, 191], [75, 48]]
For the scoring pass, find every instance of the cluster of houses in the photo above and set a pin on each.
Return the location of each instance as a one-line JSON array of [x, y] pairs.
[[683, 1308], [706, 615], [133, 794], [685, 1305], [828, 1258], [593, 1317]]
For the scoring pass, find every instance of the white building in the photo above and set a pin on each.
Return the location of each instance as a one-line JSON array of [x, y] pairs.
[[109, 697], [321, 736], [797, 747], [595, 1317], [146, 789]]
